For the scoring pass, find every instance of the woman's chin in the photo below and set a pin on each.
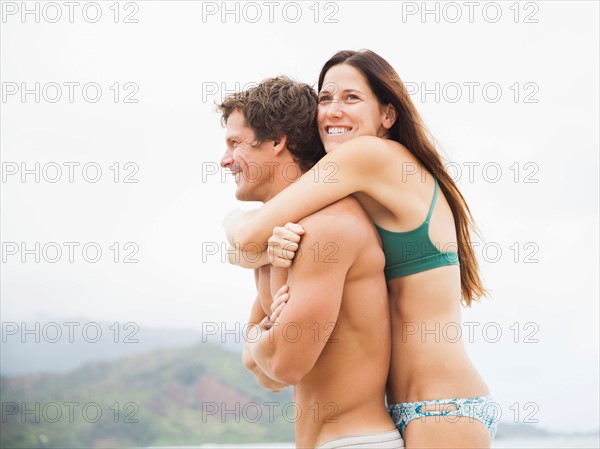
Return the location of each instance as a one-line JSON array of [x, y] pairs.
[[330, 146], [332, 143]]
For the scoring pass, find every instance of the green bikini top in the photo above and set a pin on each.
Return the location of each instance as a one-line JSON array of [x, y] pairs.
[[413, 251]]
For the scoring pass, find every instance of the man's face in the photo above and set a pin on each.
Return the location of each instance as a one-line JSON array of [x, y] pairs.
[[251, 165]]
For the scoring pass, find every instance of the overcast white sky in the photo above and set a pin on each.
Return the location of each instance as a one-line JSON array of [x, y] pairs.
[[532, 113]]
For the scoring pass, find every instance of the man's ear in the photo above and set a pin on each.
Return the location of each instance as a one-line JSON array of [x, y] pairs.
[[279, 144], [390, 116]]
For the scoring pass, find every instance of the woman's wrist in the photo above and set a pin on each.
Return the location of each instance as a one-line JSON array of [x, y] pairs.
[[247, 259]]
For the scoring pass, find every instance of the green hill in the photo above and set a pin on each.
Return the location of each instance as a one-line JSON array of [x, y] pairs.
[[28, 353], [184, 396]]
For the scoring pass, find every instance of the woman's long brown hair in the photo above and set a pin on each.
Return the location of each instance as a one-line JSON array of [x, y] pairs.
[[410, 131]]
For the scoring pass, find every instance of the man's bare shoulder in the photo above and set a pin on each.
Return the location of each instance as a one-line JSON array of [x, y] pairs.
[[343, 220]]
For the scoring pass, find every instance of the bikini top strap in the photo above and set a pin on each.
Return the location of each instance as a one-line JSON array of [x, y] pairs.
[[435, 195]]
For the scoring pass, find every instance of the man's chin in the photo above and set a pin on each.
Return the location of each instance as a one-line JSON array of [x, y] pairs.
[[242, 195]]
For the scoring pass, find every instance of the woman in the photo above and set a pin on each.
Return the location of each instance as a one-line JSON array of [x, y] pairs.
[[379, 152]]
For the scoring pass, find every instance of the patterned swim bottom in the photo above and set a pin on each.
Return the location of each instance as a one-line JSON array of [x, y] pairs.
[[482, 408]]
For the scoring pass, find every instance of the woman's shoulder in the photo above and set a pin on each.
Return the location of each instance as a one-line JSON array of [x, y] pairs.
[[370, 149]]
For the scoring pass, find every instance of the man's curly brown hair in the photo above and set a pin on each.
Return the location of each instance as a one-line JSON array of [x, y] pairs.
[[276, 107]]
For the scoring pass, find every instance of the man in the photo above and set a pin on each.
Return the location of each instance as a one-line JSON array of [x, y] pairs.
[[332, 340]]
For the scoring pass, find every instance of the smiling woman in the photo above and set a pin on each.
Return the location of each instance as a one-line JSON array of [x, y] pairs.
[[328, 297], [519, 124], [372, 132], [348, 108]]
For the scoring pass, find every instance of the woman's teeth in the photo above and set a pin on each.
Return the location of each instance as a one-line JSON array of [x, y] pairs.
[[333, 130]]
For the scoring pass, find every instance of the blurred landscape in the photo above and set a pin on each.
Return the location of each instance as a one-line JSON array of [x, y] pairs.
[[512, 88], [176, 396], [174, 389]]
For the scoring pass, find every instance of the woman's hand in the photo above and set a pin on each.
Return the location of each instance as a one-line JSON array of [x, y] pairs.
[[283, 244]]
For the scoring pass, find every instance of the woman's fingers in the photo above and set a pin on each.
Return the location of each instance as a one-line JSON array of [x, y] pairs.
[[280, 262], [284, 288], [282, 299], [278, 299], [283, 244], [294, 228]]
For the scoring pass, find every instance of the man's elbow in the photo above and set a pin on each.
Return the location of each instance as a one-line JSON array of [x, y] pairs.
[[248, 361], [233, 257], [261, 378]]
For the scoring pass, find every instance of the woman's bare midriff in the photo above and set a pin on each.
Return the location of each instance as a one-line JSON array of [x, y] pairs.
[[429, 360]]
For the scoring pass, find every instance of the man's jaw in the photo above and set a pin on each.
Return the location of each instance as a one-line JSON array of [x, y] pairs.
[[236, 172]]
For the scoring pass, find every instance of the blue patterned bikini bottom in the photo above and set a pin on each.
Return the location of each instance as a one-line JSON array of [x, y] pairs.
[[483, 409]]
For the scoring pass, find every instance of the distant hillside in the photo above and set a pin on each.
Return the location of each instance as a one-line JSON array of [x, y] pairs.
[[190, 396], [60, 347], [179, 396]]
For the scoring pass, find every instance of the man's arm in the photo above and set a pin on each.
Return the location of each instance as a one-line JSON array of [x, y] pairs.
[[289, 349], [256, 316]]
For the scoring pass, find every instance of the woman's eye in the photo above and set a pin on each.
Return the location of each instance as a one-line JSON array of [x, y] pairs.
[[352, 97], [324, 99]]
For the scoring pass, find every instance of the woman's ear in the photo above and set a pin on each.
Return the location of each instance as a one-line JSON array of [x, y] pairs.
[[279, 144], [390, 116]]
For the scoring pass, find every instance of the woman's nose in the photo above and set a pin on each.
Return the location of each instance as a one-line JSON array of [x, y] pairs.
[[335, 109]]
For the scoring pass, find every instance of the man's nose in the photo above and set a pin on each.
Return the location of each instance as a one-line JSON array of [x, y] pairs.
[[227, 158]]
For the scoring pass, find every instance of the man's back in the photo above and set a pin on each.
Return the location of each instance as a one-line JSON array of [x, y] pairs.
[[336, 324]]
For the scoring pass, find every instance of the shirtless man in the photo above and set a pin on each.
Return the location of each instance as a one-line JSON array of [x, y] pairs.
[[333, 342]]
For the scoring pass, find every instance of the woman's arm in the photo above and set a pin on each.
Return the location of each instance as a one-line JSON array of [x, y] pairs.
[[352, 167], [246, 259]]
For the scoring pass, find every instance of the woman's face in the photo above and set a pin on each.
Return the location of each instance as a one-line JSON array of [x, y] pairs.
[[348, 108]]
